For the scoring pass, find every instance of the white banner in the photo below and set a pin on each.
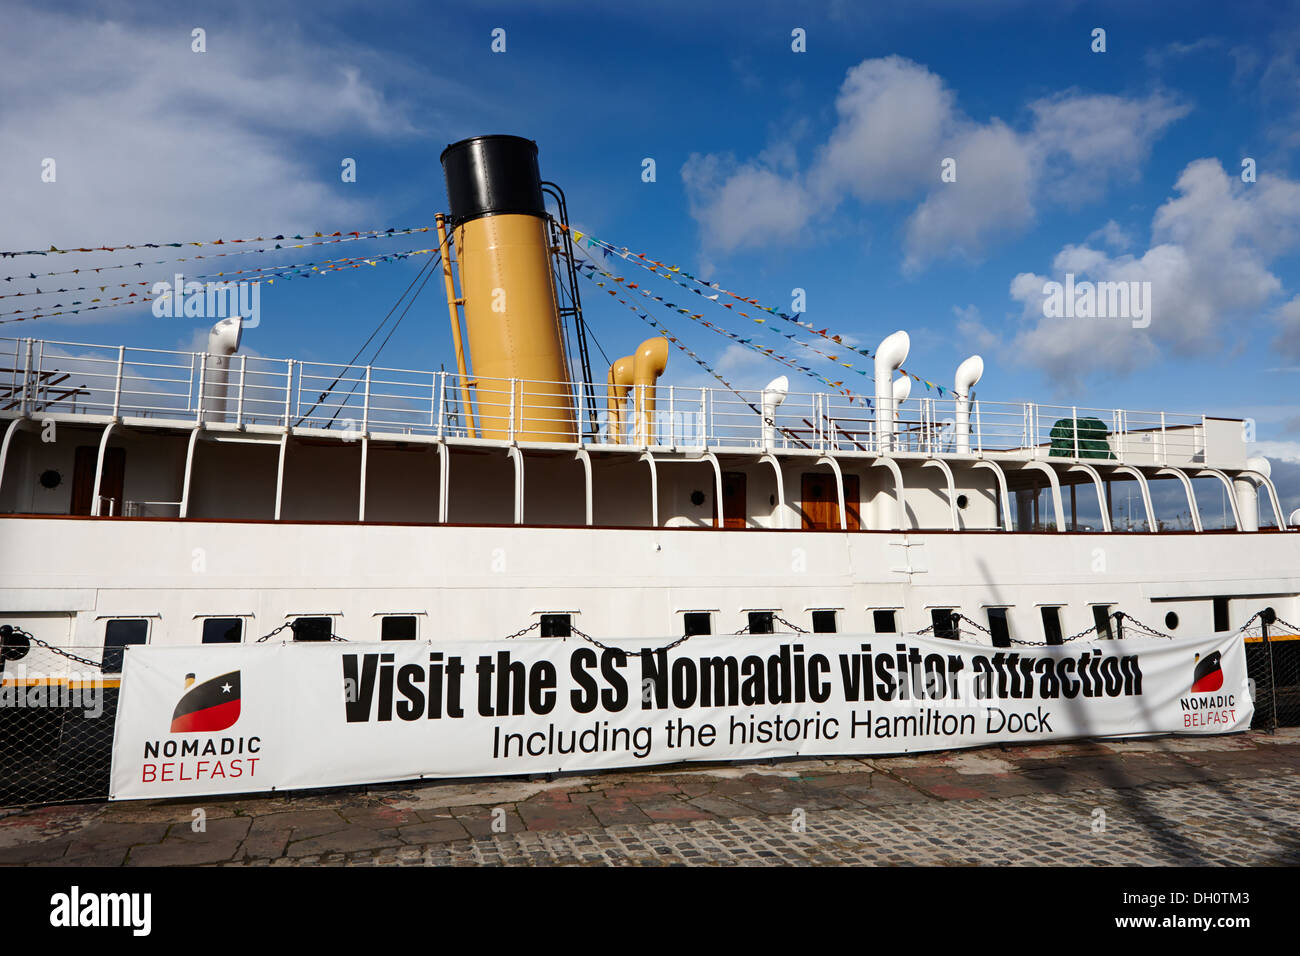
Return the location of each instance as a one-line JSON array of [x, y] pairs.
[[216, 719]]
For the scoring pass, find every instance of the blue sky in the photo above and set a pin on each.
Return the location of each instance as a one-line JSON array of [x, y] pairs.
[[775, 170]]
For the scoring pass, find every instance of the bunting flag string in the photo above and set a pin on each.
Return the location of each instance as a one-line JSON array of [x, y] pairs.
[[322, 236], [589, 270], [671, 272], [287, 274], [159, 262], [663, 330], [214, 275]]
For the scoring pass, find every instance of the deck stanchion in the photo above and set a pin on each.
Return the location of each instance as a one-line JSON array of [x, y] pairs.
[[27, 379], [437, 404], [704, 418], [117, 388], [288, 394], [239, 403], [672, 419], [365, 407], [511, 426], [203, 378]]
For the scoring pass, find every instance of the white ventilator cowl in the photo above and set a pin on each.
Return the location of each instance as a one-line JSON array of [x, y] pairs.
[[890, 355], [969, 373]]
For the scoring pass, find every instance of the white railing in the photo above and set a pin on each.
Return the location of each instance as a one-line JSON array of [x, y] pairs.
[[47, 377]]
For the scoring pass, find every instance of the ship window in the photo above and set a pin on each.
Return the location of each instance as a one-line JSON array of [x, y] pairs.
[[944, 625], [998, 627], [1171, 621], [962, 502], [697, 623], [760, 622], [312, 628], [1221, 614], [557, 625], [397, 627], [1101, 618], [120, 633], [884, 622], [823, 622], [1052, 625], [222, 630]]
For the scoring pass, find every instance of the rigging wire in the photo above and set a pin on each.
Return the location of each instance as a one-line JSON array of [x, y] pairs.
[[379, 350], [429, 263]]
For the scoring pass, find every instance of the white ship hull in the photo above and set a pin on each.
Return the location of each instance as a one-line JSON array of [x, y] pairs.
[[63, 577]]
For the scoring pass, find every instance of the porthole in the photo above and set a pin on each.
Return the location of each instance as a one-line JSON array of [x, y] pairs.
[[1171, 621], [50, 479], [697, 498], [962, 502]]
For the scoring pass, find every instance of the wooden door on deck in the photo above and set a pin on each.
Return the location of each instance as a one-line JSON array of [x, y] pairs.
[[111, 483], [821, 501], [734, 492]]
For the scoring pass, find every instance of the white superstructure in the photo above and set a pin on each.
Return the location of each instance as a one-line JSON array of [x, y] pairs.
[[169, 489]]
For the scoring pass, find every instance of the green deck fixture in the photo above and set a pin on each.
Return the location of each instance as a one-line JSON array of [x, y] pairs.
[[1093, 441]]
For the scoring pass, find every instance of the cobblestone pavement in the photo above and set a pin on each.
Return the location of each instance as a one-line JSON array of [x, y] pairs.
[[1207, 801]]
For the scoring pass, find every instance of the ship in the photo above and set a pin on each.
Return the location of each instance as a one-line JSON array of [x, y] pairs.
[[225, 497]]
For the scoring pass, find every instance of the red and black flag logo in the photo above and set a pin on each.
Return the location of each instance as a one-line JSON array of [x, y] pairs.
[[212, 705], [1209, 674]]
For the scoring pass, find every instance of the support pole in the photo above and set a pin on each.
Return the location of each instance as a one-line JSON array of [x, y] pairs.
[[453, 309]]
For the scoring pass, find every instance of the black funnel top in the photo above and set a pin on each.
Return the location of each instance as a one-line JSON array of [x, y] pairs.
[[489, 175]]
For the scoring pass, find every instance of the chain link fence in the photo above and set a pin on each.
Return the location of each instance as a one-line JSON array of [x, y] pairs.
[[57, 714], [1273, 663]]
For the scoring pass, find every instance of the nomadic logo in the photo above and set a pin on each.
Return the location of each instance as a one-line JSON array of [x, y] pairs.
[[1208, 676], [212, 705]]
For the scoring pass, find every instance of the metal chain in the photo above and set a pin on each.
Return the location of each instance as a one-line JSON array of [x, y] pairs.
[[605, 647], [264, 637], [577, 632], [1013, 640], [956, 619], [50, 647], [1150, 630], [1250, 619], [776, 618], [520, 633]]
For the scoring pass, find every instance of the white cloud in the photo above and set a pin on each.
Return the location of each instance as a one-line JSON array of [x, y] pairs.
[[154, 142], [972, 329], [896, 123], [893, 116], [1085, 140], [1209, 263], [741, 206], [1287, 317], [1278, 450], [992, 196], [1113, 235]]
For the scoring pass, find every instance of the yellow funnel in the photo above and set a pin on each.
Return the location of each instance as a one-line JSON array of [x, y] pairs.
[[522, 385]]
